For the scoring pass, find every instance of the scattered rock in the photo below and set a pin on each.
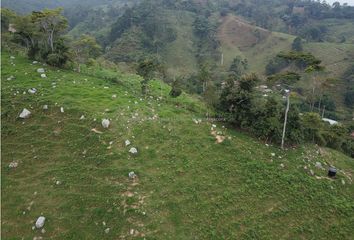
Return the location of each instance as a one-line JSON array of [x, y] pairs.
[[13, 164], [318, 165], [114, 96], [57, 182], [312, 172], [343, 182], [40, 222], [34, 62], [132, 175], [45, 107], [273, 154], [43, 231], [133, 151], [43, 75], [40, 70], [62, 110], [25, 113], [127, 143], [132, 231], [282, 165], [12, 57], [105, 123], [82, 117], [107, 230]]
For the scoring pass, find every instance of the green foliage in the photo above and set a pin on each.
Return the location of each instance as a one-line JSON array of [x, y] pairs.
[[85, 48], [147, 69], [303, 60], [176, 90], [297, 45], [238, 66], [349, 98], [275, 65], [287, 78]]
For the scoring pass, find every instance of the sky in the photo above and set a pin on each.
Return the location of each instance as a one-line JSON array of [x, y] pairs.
[[350, 2]]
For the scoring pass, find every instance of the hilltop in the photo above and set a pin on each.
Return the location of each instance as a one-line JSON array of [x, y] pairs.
[[75, 173]]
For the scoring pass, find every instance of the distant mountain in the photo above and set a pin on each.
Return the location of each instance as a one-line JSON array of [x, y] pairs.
[[25, 6]]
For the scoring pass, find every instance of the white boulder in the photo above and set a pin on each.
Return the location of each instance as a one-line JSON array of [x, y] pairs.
[[40, 222], [133, 150], [105, 123], [25, 113]]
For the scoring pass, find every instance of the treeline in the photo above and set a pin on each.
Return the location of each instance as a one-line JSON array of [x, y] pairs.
[[42, 35]]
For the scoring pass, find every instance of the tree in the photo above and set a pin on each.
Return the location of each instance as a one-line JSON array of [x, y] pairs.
[[238, 98], [84, 48], [176, 90], [238, 66], [147, 69], [297, 44], [51, 23]]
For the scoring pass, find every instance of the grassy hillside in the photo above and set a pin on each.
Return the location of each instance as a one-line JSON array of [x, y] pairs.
[[188, 186]]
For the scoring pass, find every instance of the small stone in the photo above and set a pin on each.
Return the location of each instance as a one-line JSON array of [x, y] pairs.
[[57, 182], [25, 113], [43, 231], [133, 151], [312, 172], [273, 154], [62, 110], [318, 165], [343, 182], [127, 142], [12, 57], [282, 165], [13, 164], [34, 62], [82, 117], [40, 70], [107, 230], [104, 223], [105, 123], [132, 175], [114, 96], [45, 107], [40, 222], [32, 91], [132, 231], [43, 75]]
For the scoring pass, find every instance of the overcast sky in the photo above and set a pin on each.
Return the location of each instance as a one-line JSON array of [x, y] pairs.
[[350, 2]]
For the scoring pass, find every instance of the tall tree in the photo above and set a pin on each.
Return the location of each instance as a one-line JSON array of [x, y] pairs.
[[84, 48]]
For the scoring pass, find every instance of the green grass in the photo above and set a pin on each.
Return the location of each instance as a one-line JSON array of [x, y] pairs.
[[189, 187]]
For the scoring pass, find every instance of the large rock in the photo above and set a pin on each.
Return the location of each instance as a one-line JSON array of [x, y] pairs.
[[105, 123], [40, 222], [25, 113]]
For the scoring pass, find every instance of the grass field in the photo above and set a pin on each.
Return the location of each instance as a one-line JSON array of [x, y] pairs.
[[188, 186]]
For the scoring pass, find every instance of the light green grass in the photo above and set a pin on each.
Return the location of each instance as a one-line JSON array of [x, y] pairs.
[[189, 187]]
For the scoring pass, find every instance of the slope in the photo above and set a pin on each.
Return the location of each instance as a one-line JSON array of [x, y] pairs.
[[238, 37], [187, 187]]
